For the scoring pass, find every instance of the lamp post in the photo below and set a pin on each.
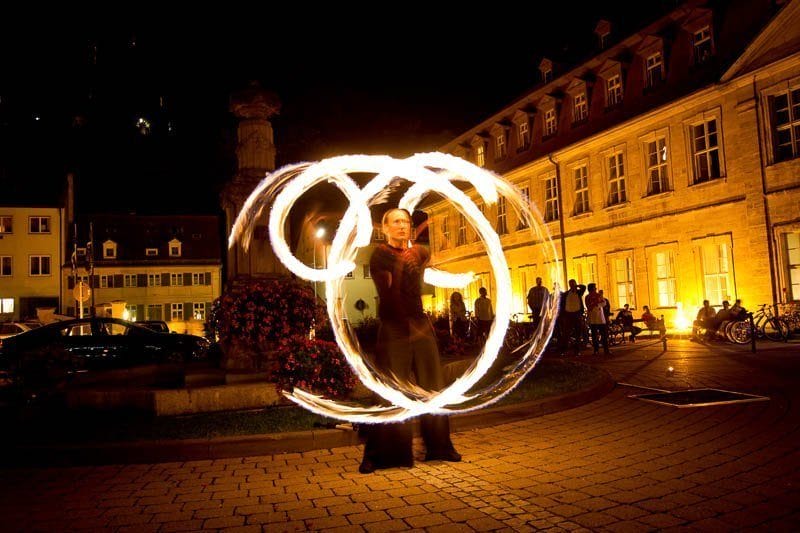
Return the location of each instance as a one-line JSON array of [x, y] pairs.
[[318, 234]]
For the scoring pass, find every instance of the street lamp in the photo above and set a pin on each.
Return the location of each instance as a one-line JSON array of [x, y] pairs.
[[320, 233]]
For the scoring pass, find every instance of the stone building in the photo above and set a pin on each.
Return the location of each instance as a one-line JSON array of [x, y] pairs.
[[666, 166]]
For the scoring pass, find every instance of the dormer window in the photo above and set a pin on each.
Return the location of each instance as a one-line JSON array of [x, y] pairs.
[[109, 250], [500, 146], [479, 149], [603, 32], [546, 70], [151, 252], [522, 125], [614, 90], [654, 70], [550, 122], [80, 252], [580, 109], [174, 248], [702, 45]]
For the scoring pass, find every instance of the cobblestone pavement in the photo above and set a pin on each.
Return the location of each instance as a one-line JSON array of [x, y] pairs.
[[617, 464]]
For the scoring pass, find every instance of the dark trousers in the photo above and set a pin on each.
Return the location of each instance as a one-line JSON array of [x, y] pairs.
[[571, 325], [403, 349], [599, 330]]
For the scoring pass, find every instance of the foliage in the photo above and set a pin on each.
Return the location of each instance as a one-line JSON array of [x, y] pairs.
[[264, 311], [314, 365]]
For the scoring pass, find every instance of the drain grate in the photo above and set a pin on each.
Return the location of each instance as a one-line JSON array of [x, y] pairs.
[[699, 398]]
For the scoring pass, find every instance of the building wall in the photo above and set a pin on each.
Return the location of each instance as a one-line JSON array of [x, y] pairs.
[[20, 244], [724, 238]]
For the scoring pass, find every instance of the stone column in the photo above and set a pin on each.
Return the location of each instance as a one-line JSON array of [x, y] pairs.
[[255, 155]]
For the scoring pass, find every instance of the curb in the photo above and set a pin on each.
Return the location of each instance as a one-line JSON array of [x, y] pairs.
[[276, 443]]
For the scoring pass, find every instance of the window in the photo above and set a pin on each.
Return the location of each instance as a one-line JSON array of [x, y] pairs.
[[367, 273], [198, 278], [616, 179], [716, 272], [151, 252], [654, 72], [199, 311], [130, 312], [104, 281], [580, 110], [174, 248], [702, 45], [786, 125], [705, 151], [444, 242], [6, 305], [547, 75], [581, 175], [176, 312], [500, 146], [155, 312], [129, 280], [657, 167], [623, 281], [524, 135], [39, 265], [550, 199], [549, 122], [109, 250], [6, 225], [502, 227], [154, 280], [38, 224], [480, 155], [461, 238], [665, 279], [377, 235], [526, 199], [613, 91], [793, 265], [585, 269], [80, 252], [5, 266], [176, 280], [482, 208]]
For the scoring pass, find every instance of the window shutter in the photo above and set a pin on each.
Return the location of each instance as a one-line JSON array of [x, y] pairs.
[[165, 279], [139, 311], [118, 280], [208, 278], [70, 282], [188, 310], [141, 280], [187, 279], [208, 310], [95, 281]]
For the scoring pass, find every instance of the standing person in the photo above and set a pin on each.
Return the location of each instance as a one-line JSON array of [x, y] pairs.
[[571, 316], [458, 315], [606, 306], [484, 314], [537, 299], [597, 318], [406, 342]]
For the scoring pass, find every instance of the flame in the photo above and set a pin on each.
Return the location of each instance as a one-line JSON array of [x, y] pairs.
[[429, 172]]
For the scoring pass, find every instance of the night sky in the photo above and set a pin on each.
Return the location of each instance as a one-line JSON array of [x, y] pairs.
[[405, 82]]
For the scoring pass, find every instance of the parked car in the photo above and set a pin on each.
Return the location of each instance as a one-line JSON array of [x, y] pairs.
[[84, 350], [156, 325], [9, 329]]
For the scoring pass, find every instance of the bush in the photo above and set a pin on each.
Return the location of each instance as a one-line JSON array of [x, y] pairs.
[[314, 365], [261, 312]]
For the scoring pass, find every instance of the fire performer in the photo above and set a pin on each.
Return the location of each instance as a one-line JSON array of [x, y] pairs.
[[406, 342]]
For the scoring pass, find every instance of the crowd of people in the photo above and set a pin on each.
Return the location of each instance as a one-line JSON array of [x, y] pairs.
[[709, 319]]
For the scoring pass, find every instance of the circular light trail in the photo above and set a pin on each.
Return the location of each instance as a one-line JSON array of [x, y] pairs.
[[427, 173]]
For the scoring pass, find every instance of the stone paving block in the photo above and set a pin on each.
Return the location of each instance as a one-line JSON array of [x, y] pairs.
[[188, 525], [307, 513], [223, 522], [464, 515], [213, 513], [454, 528], [427, 520], [277, 517], [129, 519], [174, 516], [626, 512], [352, 528], [325, 522], [661, 520], [368, 517], [486, 523], [406, 511]]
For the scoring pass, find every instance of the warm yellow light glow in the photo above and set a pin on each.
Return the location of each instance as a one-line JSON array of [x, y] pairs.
[[682, 322], [320, 233]]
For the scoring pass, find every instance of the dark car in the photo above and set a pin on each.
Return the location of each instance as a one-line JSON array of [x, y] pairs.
[[84, 350], [156, 325]]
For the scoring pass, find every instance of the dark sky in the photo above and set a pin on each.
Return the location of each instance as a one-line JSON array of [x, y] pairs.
[[355, 81]]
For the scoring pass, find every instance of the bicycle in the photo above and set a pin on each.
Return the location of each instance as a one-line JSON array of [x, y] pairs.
[[768, 325]]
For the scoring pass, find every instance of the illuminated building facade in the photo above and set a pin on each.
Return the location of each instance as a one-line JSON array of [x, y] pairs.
[[148, 268], [666, 166]]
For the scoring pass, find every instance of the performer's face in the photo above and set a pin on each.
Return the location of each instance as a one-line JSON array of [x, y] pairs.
[[397, 228]]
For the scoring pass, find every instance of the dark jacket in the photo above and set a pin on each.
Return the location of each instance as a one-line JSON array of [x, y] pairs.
[[562, 305]]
